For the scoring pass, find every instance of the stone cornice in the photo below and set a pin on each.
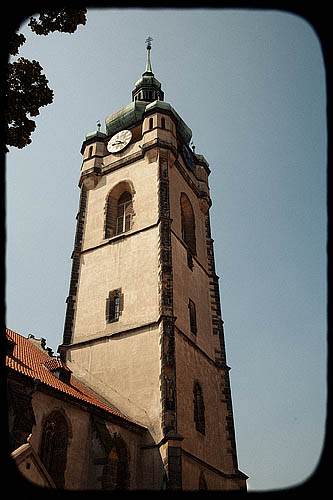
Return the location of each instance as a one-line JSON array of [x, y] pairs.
[[195, 346], [138, 155], [230, 475]]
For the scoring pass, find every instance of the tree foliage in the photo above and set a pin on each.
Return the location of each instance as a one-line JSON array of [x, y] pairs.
[[63, 20], [27, 87], [27, 92]]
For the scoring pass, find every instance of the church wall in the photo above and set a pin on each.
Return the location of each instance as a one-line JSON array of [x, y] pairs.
[[180, 185], [213, 446], [143, 177], [78, 424], [129, 362], [124, 369], [152, 470], [192, 284], [98, 456], [86, 454], [123, 262], [193, 472], [121, 363], [130, 265]]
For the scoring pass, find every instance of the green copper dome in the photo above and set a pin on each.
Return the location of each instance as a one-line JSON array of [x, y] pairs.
[[125, 118], [134, 112]]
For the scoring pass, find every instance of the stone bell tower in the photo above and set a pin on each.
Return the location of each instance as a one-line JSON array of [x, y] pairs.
[[143, 326]]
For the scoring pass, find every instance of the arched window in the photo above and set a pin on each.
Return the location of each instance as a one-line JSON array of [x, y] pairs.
[[193, 316], [118, 210], [199, 408], [163, 122], [188, 223], [113, 465], [202, 481], [53, 450], [150, 123], [116, 471]]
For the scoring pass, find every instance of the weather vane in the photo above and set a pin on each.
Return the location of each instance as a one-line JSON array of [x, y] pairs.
[[148, 42]]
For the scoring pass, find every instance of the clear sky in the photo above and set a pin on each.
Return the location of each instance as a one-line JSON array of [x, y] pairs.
[[251, 86]]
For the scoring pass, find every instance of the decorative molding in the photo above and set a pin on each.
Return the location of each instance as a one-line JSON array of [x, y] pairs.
[[168, 368], [237, 475], [220, 354], [74, 279], [195, 346]]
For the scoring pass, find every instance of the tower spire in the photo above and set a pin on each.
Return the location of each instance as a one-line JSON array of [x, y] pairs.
[[148, 65], [148, 88]]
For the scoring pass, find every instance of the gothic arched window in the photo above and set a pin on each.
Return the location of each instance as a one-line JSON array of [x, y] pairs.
[[202, 481], [193, 316], [116, 471], [199, 408], [188, 223], [118, 210], [53, 450]]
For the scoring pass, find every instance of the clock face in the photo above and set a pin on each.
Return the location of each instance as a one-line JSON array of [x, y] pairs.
[[119, 141]]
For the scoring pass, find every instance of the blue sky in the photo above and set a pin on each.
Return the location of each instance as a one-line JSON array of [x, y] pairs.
[[251, 86]]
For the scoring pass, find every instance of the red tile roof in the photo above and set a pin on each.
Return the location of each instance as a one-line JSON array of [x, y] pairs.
[[32, 361], [55, 363]]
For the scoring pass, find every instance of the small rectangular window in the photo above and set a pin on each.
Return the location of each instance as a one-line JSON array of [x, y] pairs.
[[114, 305], [193, 316]]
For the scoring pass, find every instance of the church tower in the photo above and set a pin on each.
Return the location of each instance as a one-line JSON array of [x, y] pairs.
[[143, 325]]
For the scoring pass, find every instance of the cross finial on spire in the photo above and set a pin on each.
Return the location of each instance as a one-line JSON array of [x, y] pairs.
[[148, 42]]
